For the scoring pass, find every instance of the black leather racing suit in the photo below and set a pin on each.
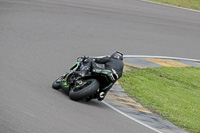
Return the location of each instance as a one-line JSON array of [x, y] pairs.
[[113, 64]]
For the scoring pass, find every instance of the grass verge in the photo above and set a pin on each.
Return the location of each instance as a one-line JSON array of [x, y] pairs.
[[173, 93], [193, 4]]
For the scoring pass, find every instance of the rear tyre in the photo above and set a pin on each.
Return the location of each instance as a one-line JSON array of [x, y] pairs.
[[56, 83], [78, 93]]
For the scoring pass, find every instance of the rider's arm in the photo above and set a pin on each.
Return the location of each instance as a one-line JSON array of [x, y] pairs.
[[102, 60]]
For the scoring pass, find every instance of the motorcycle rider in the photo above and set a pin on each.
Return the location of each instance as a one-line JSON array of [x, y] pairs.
[[113, 65]]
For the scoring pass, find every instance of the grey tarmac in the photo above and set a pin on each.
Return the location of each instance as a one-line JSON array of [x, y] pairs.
[[41, 39]]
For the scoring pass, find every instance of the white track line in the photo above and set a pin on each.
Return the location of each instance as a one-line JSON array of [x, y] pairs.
[[160, 57], [170, 6], [130, 117]]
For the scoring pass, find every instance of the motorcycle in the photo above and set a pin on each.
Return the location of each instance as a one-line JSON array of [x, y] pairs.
[[79, 84]]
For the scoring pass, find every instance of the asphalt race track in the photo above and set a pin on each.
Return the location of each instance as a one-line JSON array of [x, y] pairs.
[[41, 39]]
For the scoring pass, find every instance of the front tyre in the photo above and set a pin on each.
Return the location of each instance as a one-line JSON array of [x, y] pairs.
[[56, 83], [89, 88]]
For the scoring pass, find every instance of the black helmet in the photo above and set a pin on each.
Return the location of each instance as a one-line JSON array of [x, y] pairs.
[[117, 55]]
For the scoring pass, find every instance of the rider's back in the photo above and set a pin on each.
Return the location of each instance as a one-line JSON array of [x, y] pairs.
[[112, 64]]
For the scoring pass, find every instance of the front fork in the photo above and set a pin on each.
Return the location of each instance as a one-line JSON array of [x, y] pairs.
[[64, 85]]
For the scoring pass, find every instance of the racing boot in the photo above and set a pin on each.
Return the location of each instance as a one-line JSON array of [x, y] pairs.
[[101, 96]]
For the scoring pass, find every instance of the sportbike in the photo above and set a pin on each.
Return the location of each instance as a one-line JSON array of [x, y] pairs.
[[88, 85]]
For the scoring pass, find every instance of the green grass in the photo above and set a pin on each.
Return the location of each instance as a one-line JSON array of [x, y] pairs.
[[193, 4], [172, 93]]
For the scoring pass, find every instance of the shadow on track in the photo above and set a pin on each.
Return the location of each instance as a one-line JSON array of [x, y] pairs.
[[94, 103]]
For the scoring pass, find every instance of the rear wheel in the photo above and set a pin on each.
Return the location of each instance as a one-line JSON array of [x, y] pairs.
[[88, 88]]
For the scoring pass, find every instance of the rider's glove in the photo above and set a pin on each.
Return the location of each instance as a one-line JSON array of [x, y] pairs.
[[79, 59]]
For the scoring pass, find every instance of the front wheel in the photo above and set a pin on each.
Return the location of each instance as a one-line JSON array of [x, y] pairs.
[[88, 88], [56, 83]]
